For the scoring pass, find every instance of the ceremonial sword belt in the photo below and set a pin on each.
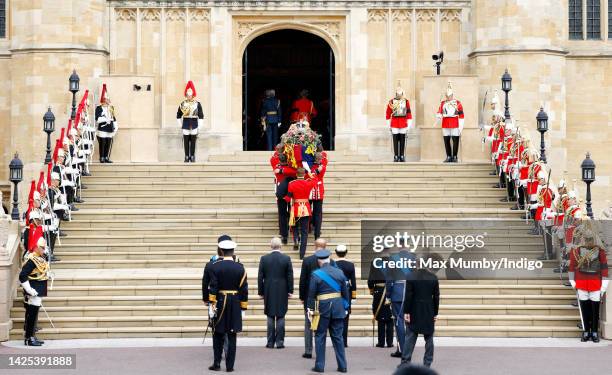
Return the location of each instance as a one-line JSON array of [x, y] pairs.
[[380, 284], [190, 116], [228, 292], [271, 113], [225, 293], [326, 296]]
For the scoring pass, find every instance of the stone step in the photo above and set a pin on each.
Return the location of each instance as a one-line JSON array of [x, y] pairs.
[[272, 213], [333, 172], [292, 331], [362, 289], [295, 319], [201, 310], [461, 299]]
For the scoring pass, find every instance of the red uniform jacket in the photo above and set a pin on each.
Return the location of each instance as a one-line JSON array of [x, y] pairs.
[[303, 107], [450, 120], [318, 192], [400, 119], [284, 171], [590, 282], [299, 191], [274, 160]]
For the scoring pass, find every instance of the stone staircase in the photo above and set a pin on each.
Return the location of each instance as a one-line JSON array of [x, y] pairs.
[[132, 263]]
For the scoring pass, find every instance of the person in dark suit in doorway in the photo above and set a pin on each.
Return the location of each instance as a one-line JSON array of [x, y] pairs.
[[275, 285]]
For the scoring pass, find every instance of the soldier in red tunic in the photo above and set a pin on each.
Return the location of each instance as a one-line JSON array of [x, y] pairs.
[[399, 120], [451, 115], [318, 192], [303, 108], [283, 174], [588, 273], [298, 193]]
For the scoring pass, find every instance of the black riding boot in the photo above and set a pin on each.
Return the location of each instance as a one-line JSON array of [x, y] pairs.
[[109, 147], [395, 147], [101, 148], [587, 315], [186, 144], [595, 321], [192, 148], [455, 148], [447, 147], [402, 147]]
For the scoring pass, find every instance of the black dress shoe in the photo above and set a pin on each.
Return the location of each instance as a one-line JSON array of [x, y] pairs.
[[542, 257], [229, 370], [389, 345], [280, 347], [32, 341], [380, 345], [341, 370], [295, 246], [40, 341], [314, 369], [270, 346], [285, 240], [306, 355], [215, 368], [493, 173], [585, 337], [397, 354], [595, 337]]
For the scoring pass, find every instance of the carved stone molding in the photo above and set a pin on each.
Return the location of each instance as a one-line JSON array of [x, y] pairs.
[[426, 15], [401, 15], [377, 15], [331, 28], [245, 28], [175, 15], [199, 15], [125, 14], [150, 14], [450, 15]]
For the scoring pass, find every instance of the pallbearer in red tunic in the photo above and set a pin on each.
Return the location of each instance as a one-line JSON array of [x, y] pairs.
[[450, 113], [399, 119], [303, 108], [283, 174], [318, 192], [588, 273], [298, 193]]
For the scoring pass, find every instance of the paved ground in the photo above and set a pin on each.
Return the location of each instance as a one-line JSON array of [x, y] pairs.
[[452, 357]]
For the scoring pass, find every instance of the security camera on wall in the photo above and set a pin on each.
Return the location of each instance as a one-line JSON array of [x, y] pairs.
[[439, 59]]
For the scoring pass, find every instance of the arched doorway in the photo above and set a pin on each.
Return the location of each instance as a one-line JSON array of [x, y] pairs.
[[287, 61]]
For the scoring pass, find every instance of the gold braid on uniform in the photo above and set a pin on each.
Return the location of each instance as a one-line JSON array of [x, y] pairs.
[[584, 261], [42, 267]]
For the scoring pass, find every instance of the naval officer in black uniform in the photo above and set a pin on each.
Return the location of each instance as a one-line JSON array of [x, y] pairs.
[[348, 268], [229, 293]]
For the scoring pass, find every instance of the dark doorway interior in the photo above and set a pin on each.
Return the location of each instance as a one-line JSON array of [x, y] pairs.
[[287, 61]]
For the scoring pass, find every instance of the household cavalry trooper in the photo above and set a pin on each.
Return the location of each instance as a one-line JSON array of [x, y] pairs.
[[190, 117], [451, 114], [588, 274], [327, 306], [228, 295], [107, 126], [399, 120], [33, 278]]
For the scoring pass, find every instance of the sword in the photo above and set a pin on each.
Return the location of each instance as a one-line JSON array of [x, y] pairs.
[[47, 314], [580, 310]]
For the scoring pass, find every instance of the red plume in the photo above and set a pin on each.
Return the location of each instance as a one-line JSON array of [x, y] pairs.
[[34, 235], [68, 130], [57, 147], [49, 167], [103, 95], [61, 138], [32, 188], [190, 86], [83, 99], [41, 181]]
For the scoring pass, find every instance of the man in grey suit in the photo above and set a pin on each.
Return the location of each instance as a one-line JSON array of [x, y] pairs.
[[275, 286]]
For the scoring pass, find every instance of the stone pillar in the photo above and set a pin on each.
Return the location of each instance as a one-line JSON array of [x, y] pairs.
[[48, 40], [9, 265]]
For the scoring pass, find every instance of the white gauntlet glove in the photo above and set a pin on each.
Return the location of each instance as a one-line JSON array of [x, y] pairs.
[[410, 124], [573, 283], [28, 289], [200, 123], [604, 286], [461, 123], [179, 122]]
